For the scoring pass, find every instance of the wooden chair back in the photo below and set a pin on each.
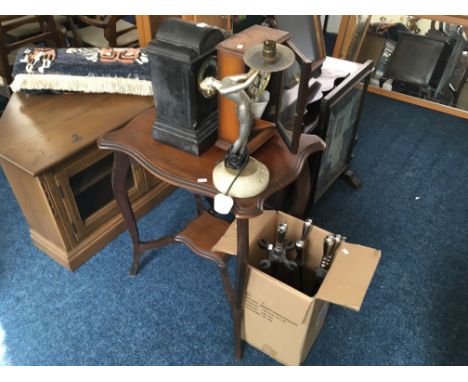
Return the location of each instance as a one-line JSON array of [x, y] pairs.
[[48, 34], [109, 26]]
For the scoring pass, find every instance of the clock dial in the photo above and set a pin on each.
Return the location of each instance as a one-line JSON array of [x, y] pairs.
[[258, 85]]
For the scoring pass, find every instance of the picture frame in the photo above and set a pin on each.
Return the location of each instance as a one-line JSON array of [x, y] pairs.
[[293, 99], [295, 85], [307, 35]]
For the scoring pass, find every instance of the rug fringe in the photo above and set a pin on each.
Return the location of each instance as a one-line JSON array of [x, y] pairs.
[[86, 84]]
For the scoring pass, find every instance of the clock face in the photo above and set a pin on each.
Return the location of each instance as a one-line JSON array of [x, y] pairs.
[[208, 68], [258, 85]]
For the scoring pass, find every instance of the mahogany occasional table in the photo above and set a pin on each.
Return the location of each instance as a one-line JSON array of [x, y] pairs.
[[134, 143]]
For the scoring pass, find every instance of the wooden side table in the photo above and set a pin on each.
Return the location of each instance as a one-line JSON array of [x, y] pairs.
[[62, 181], [134, 142]]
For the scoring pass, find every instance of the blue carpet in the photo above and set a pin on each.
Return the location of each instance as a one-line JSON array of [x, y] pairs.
[[412, 206]]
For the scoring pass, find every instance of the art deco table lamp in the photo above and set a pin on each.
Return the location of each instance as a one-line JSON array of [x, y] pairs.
[[240, 175]]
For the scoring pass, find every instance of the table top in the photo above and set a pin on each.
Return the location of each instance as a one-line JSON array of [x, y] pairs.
[[184, 170], [39, 131]]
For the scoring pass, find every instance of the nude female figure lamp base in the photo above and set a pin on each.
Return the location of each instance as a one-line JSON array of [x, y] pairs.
[[240, 175]]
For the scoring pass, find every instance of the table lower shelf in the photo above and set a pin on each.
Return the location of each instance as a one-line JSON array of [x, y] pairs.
[[202, 234]]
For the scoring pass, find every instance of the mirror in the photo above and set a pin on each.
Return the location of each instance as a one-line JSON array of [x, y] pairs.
[[296, 86], [425, 57], [307, 36], [293, 99]]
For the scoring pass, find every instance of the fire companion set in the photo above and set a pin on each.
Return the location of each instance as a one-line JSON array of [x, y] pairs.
[[285, 259]]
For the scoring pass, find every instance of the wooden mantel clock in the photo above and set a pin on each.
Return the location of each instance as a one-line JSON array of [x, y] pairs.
[[230, 53]]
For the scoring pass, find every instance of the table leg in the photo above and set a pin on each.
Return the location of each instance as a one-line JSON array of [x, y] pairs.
[[201, 207], [228, 290], [199, 204], [302, 188], [119, 186], [242, 255]]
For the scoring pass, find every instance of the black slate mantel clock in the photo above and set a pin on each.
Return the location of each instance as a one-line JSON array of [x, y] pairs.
[[180, 55]]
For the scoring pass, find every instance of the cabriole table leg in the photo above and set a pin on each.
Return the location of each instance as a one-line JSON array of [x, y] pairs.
[[119, 186]]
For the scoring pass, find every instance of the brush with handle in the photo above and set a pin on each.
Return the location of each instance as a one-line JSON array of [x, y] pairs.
[[330, 246], [300, 247]]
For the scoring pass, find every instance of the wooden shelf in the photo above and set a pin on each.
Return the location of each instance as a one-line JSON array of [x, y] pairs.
[[202, 234]]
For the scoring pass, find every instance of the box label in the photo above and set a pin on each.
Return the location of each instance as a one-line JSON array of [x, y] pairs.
[[264, 311]]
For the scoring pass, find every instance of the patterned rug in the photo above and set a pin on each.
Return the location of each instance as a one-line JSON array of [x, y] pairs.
[[89, 70]]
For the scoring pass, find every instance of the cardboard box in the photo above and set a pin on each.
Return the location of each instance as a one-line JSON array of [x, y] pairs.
[[278, 319]]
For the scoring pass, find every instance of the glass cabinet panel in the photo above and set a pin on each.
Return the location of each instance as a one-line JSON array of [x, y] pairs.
[[92, 188]]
